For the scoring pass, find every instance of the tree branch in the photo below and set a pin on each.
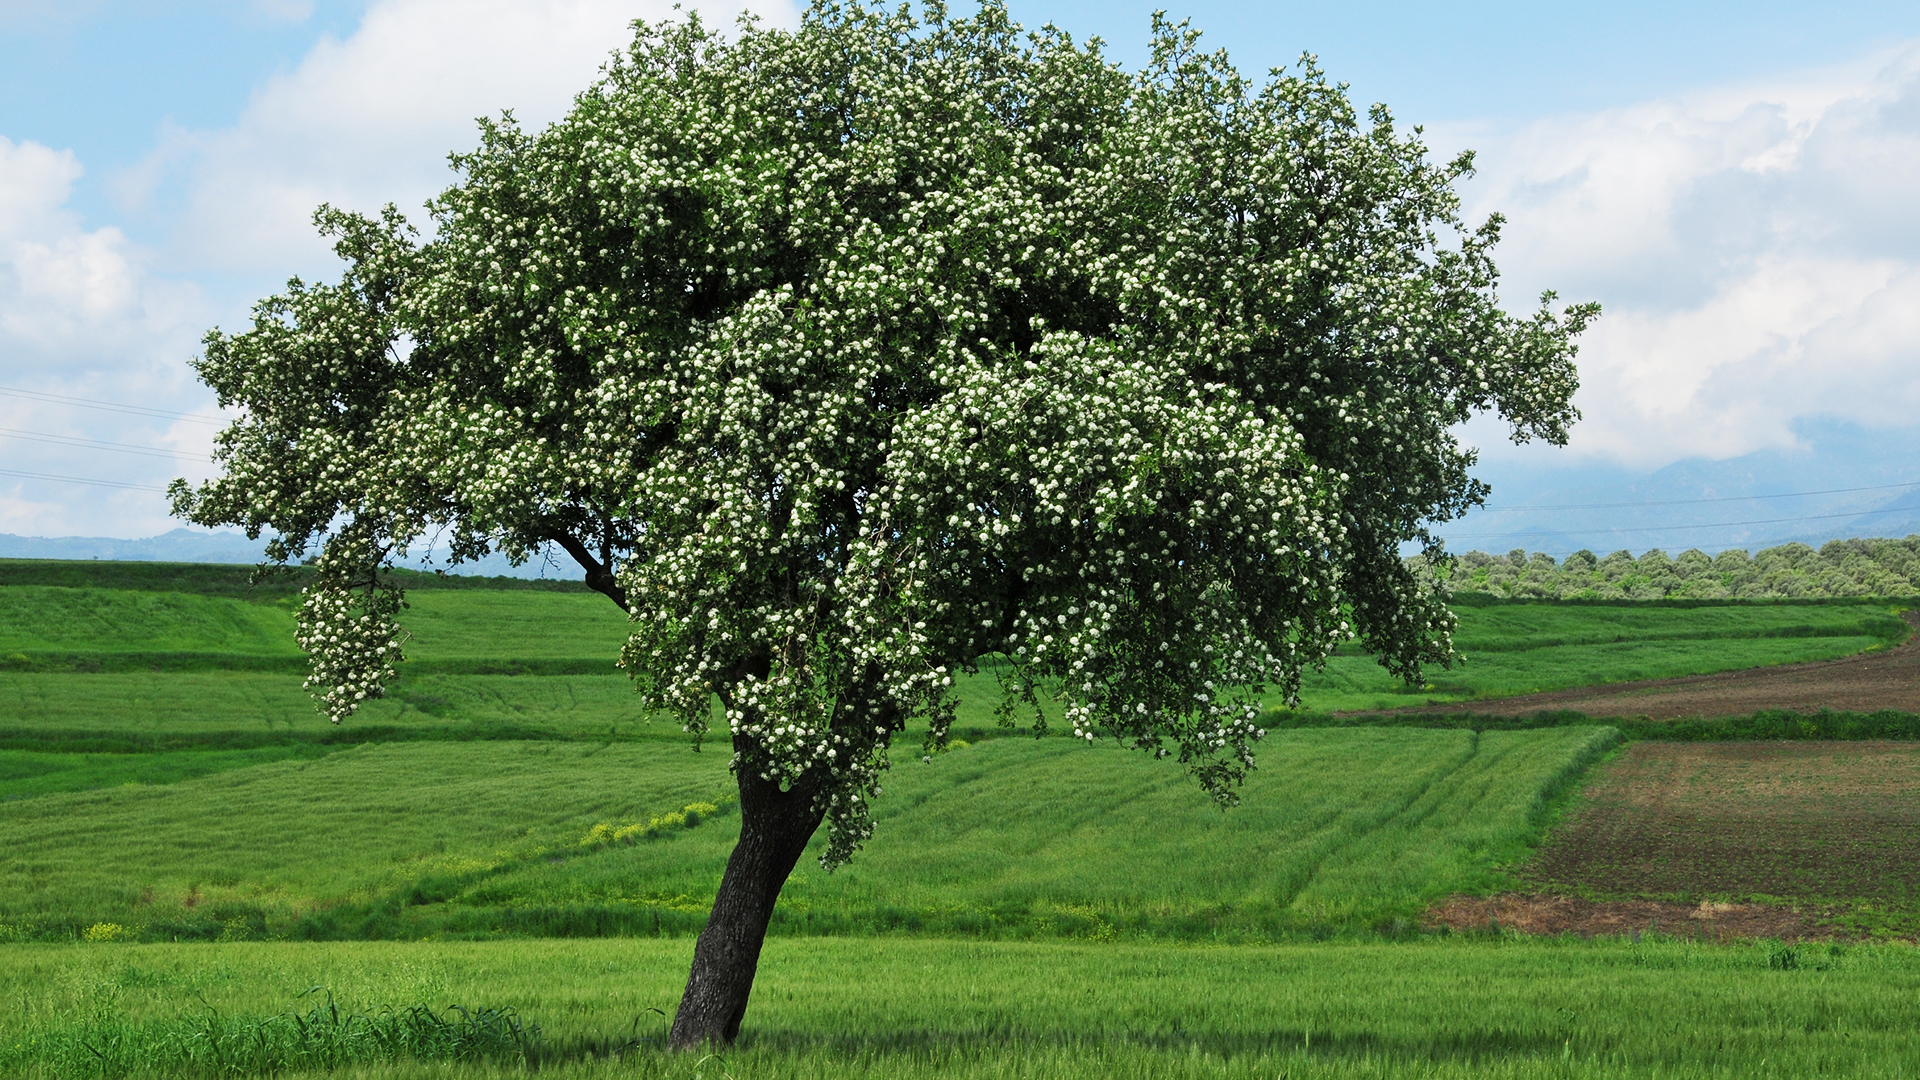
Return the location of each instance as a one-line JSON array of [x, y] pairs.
[[599, 575]]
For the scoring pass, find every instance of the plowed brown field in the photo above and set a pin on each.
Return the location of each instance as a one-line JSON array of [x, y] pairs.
[[1812, 821], [1889, 679], [1683, 838], [1686, 837]]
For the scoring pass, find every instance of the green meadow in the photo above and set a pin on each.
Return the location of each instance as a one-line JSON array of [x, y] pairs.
[[1340, 830], [217, 803], [461, 634], [188, 710], [894, 1009], [1518, 647], [188, 850], [94, 629]]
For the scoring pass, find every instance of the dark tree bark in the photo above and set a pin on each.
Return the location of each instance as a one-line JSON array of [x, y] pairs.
[[775, 826], [599, 571]]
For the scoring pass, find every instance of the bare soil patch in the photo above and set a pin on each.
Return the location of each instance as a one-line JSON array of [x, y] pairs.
[[1723, 841], [1803, 821], [1553, 915], [1888, 679]]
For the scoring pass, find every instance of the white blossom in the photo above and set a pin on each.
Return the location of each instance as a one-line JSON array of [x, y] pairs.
[[852, 358]]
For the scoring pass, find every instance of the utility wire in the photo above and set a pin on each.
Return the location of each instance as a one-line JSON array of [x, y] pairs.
[[97, 444], [110, 406], [1671, 528], [81, 480], [1747, 545], [1689, 502]]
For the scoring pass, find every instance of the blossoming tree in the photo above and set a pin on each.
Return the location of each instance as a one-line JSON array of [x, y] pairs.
[[845, 357]]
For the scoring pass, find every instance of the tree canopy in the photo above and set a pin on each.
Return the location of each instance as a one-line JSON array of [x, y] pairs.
[[848, 358]]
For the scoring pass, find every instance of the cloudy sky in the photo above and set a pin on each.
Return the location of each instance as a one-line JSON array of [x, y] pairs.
[[1735, 183]]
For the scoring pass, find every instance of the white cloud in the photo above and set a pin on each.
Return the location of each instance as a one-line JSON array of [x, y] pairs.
[[67, 291], [370, 119], [1757, 249], [34, 182], [81, 315], [358, 122]]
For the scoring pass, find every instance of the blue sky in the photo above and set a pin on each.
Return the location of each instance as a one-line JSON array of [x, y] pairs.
[[1733, 182]]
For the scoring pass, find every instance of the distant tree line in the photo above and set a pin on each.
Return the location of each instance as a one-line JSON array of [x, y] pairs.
[[1838, 568]]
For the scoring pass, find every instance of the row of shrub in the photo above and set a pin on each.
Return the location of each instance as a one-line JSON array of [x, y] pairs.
[[1790, 571]]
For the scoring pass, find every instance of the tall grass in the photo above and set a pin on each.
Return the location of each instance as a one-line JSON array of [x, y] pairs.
[[26, 773], [1767, 725], [319, 1038], [889, 1008], [481, 625], [40, 619], [1509, 648]]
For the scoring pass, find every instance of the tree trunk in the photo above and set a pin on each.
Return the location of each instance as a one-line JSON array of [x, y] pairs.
[[775, 826]]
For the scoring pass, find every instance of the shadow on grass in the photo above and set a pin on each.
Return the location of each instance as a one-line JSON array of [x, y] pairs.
[[1171, 1039]]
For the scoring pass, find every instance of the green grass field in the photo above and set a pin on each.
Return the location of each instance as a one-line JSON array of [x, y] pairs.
[[891, 1008], [1511, 648], [37, 619], [1340, 831], [1026, 908], [218, 802], [455, 631], [230, 710], [1508, 647]]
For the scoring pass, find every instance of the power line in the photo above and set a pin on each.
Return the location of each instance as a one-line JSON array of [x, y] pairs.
[[110, 406], [81, 480], [98, 444], [1671, 528], [1749, 545], [1690, 502]]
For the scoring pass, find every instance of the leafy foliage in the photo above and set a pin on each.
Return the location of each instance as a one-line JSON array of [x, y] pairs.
[[841, 357]]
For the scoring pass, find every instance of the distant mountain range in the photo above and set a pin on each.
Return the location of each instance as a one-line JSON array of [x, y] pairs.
[[1843, 482], [226, 546], [180, 545]]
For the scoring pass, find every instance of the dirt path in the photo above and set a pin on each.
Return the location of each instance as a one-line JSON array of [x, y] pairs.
[[1551, 915], [1865, 683]]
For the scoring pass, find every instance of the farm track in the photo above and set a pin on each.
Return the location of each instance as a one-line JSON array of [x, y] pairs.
[[1552, 915], [1869, 682]]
